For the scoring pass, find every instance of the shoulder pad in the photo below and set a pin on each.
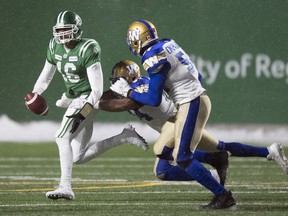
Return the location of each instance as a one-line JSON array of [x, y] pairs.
[[155, 57], [90, 45]]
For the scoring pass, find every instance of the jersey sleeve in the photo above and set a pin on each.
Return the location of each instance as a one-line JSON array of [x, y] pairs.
[[155, 60], [50, 51], [154, 95]]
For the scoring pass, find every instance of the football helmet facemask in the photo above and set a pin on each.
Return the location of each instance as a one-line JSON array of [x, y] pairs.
[[140, 33], [67, 27], [127, 69]]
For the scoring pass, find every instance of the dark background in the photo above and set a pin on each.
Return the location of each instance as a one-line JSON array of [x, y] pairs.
[[216, 31]]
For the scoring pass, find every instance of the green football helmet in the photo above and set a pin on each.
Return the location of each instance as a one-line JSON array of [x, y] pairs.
[[67, 27]]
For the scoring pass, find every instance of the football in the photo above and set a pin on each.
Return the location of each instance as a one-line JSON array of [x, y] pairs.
[[36, 103]]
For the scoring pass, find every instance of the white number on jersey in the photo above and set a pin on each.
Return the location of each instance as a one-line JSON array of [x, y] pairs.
[[70, 77]]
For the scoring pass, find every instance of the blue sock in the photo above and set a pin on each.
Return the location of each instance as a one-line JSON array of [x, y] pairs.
[[172, 173], [198, 172], [242, 150], [200, 156]]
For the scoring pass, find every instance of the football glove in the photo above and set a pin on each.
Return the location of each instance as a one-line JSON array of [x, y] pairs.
[[80, 116], [121, 87]]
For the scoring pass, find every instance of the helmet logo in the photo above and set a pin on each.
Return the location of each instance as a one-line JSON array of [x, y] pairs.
[[134, 35], [78, 20], [132, 69]]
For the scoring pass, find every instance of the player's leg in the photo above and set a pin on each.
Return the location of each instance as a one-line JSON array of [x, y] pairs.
[[190, 121], [127, 136], [273, 152], [80, 143], [163, 148], [63, 140], [166, 170]]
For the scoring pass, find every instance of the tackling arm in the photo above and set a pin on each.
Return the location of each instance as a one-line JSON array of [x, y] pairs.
[[118, 104], [154, 95]]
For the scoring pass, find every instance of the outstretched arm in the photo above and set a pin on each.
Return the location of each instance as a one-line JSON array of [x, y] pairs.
[[110, 103]]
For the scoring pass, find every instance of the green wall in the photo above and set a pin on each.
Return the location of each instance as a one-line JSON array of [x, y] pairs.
[[240, 46]]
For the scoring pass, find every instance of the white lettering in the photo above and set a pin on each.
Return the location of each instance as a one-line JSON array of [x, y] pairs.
[[262, 64], [245, 63], [278, 69], [208, 70], [212, 71], [242, 68], [232, 69]]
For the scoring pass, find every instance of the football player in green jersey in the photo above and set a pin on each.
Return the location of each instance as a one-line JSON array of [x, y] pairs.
[[77, 59]]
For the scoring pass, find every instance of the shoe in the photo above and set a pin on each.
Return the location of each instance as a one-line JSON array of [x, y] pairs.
[[61, 193], [215, 175], [219, 160], [133, 138], [277, 154], [222, 201]]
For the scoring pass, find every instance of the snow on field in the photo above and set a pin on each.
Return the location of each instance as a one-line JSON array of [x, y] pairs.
[[37, 131]]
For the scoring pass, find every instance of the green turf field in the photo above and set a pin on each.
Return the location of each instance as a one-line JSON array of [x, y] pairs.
[[121, 182]]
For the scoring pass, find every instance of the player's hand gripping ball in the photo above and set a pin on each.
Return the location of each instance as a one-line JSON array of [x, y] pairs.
[[36, 103]]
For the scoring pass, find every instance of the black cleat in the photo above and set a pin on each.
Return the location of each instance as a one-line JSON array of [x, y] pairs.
[[219, 160], [222, 201]]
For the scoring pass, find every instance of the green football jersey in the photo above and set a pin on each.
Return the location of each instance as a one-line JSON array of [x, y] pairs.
[[72, 65]]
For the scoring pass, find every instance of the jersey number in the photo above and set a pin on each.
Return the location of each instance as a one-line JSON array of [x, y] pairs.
[[68, 77], [184, 59]]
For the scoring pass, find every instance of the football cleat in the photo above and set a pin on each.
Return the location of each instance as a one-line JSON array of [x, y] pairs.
[[277, 154], [61, 193], [219, 160], [222, 201], [133, 138]]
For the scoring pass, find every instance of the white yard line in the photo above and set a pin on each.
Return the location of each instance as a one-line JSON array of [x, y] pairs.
[[175, 203]]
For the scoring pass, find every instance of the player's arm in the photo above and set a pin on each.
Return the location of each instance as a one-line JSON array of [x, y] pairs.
[[45, 78], [95, 77], [157, 71], [118, 104], [154, 95]]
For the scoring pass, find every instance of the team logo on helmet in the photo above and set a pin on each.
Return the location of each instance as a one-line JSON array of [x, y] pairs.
[[134, 35], [140, 33], [126, 69], [132, 70]]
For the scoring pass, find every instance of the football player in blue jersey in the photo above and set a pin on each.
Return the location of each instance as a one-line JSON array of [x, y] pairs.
[[156, 117], [77, 59], [170, 68]]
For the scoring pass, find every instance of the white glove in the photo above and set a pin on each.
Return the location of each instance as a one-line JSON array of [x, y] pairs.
[[121, 87], [78, 103], [64, 101]]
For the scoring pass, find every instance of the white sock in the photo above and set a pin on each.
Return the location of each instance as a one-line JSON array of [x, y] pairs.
[[66, 161]]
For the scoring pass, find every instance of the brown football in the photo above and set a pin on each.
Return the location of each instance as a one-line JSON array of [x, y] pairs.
[[36, 103]]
